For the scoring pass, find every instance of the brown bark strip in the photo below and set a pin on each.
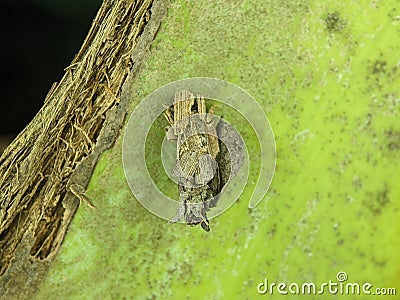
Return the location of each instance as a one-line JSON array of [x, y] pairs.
[[81, 117]]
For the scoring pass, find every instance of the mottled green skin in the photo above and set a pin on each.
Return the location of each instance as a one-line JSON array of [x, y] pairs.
[[331, 92]]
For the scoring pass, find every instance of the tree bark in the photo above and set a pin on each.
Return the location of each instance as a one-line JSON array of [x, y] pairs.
[[45, 169]]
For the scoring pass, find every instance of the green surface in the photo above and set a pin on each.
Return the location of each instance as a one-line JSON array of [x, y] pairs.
[[327, 76]]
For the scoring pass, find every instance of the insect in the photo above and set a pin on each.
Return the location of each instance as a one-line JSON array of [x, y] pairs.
[[198, 157]]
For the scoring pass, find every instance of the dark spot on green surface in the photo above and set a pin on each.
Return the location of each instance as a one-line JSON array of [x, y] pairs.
[[379, 66], [376, 202], [186, 272], [393, 14], [334, 22], [368, 119], [272, 232], [357, 183], [381, 75], [360, 253], [393, 139], [378, 263]]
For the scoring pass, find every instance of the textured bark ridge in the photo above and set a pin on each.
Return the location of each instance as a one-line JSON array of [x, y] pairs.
[[81, 117]]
